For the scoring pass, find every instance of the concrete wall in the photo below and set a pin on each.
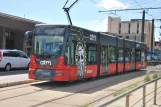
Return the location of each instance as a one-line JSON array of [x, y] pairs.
[[16, 26], [140, 27], [1, 37], [133, 27], [10, 23], [124, 27], [19, 40], [113, 24]]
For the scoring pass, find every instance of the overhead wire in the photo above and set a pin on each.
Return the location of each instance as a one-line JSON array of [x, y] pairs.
[[134, 1], [156, 11], [146, 11], [139, 2], [141, 7], [143, 3], [107, 9]]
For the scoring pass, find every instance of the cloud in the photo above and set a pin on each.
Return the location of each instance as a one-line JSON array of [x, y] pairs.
[[112, 4], [95, 21], [100, 25]]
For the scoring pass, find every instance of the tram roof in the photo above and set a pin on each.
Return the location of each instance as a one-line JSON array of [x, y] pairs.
[[106, 34]]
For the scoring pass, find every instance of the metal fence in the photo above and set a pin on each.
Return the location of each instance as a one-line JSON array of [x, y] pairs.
[[127, 95]]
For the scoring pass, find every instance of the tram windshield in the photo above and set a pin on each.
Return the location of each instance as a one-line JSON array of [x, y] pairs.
[[48, 40]]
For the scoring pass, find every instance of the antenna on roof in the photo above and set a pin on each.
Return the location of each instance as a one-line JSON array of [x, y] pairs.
[[67, 9]]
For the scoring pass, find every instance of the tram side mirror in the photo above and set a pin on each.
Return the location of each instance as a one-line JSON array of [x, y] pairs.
[[28, 37]]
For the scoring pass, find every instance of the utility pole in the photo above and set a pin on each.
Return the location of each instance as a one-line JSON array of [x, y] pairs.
[[152, 38], [143, 21]]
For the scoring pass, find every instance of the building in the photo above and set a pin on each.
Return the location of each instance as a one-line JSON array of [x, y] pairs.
[[130, 29], [12, 30]]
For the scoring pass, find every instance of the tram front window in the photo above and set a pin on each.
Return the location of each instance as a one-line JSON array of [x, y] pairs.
[[48, 41]]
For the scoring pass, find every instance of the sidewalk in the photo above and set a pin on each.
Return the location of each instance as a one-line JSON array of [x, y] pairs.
[[12, 80]]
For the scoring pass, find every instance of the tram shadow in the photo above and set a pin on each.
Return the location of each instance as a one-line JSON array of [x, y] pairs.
[[90, 86]]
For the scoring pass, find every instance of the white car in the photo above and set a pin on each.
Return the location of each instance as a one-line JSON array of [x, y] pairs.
[[13, 59]]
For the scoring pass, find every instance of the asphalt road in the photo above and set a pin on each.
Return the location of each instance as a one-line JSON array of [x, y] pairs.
[[13, 72], [71, 94]]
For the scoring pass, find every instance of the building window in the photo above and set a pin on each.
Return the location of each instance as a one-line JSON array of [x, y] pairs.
[[129, 28], [120, 28], [120, 36], [127, 37], [137, 27]]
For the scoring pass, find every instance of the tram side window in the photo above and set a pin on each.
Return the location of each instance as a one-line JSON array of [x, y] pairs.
[[145, 55], [112, 58], [91, 53], [127, 55], [121, 56], [133, 55], [73, 48], [138, 55], [67, 54]]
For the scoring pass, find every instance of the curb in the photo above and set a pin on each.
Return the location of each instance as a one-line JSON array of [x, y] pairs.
[[17, 83]]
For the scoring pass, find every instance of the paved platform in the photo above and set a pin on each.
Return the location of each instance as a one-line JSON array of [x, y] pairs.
[[138, 95], [78, 94], [75, 94], [11, 80]]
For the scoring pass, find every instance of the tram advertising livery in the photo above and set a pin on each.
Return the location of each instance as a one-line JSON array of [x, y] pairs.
[[69, 53]]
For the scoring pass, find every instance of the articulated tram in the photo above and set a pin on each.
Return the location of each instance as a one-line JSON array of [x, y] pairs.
[[70, 53]]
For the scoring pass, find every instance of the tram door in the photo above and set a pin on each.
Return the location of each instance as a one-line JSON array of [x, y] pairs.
[[143, 58], [104, 59], [132, 63]]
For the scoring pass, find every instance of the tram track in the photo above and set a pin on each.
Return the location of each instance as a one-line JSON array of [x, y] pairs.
[[18, 87], [70, 85], [85, 90], [108, 95], [39, 90], [55, 99]]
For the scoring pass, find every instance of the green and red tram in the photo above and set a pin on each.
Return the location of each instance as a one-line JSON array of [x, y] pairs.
[[69, 53]]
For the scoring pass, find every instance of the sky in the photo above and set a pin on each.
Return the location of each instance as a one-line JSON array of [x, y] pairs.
[[84, 13]]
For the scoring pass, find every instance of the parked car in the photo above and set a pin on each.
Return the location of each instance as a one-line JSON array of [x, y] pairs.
[[13, 59]]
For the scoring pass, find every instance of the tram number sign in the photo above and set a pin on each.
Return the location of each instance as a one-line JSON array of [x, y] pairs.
[[89, 71], [93, 37]]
